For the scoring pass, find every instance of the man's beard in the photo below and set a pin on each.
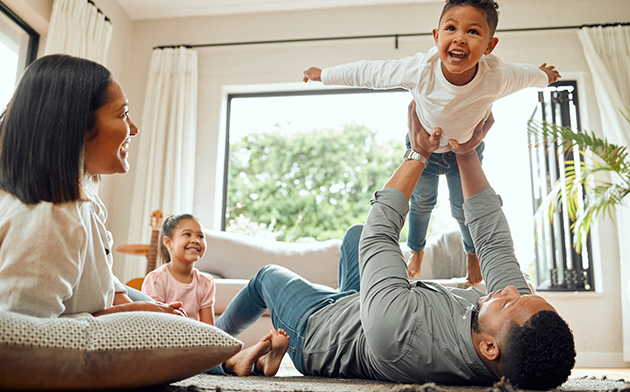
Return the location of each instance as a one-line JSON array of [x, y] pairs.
[[475, 318]]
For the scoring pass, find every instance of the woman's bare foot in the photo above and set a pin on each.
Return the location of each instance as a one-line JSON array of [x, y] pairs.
[[269, 363], [415, 263], [474, 271], [241, 363]]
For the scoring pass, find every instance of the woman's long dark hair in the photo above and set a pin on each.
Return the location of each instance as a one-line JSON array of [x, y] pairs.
[[43, 127]]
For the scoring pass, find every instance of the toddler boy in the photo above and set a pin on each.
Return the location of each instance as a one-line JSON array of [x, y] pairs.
[[454, 86]]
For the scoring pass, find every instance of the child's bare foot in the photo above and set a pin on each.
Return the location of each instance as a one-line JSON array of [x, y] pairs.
[[241, 363], [415, 263], [474, 271], [269, 363]]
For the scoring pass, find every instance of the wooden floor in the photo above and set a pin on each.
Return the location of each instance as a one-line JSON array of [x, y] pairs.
[[611, 373]]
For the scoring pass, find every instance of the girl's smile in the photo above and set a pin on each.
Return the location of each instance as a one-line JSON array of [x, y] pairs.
[[188, 242]]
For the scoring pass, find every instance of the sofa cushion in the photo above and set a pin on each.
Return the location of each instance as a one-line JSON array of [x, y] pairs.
[[121, 350], [238, 256]]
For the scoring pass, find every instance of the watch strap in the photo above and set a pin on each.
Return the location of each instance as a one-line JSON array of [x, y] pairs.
[[412, 154]]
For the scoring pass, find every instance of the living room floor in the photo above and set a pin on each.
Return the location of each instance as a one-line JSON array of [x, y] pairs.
[[287, 369], [611, 373]]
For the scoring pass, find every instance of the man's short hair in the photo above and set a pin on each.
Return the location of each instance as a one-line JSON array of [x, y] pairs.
[[488, 7], [541, 353]]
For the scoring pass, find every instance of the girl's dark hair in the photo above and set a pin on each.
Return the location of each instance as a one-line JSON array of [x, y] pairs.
[[169, 225], [488, 7], [43, 127]]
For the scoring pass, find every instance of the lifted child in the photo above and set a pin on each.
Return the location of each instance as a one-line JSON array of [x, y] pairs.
[[453, 86]]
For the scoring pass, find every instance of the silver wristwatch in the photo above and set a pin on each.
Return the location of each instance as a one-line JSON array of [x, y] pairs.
[[411, 154]]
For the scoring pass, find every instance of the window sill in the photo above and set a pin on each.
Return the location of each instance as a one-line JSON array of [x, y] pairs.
[[570, 294]]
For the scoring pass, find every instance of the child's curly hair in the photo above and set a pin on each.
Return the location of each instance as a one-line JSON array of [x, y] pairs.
[[488, 7]]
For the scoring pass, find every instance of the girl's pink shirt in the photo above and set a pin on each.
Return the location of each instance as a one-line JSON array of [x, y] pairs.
[[160, 285]]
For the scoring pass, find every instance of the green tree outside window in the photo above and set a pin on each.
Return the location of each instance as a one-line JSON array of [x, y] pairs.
[[307, 185]]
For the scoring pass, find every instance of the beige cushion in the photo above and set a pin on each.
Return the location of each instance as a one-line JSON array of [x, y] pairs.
[[226, 290], [238, 256], [122, 350]]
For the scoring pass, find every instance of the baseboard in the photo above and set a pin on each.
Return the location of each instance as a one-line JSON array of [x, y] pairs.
[[600, 360]]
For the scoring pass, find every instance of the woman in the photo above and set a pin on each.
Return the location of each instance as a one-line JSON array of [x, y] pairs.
[[66, 124]]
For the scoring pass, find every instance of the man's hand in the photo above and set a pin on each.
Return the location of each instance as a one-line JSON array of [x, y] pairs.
[[551, 72], [313, 73], [480, 132], [406, 176], [420, 140]]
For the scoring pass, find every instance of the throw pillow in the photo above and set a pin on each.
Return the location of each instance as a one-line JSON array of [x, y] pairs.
[[121, 350]]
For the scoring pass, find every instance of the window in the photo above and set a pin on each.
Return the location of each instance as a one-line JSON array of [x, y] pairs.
[[259, 129], [558, 266], [18, 48], [304, 164]]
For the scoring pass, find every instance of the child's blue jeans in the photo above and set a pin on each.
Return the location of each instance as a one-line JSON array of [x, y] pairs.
[[291, 299], [425, 194]]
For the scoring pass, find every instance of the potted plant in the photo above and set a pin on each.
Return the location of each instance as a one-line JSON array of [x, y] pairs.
[[596, 185]]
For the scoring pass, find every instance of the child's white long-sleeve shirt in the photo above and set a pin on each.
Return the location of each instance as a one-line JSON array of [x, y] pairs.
[[440, 104]]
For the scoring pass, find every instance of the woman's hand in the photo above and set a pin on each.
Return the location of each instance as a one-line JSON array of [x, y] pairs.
[[480, 132], [175, 308], [420, 140]]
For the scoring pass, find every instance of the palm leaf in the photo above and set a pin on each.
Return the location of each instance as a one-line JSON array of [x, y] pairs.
[[600, 159]]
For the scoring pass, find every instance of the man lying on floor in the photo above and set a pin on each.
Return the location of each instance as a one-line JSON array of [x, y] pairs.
[[382, 326]]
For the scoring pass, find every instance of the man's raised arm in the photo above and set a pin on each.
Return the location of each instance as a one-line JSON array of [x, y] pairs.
[[385, 288], [487, 223]]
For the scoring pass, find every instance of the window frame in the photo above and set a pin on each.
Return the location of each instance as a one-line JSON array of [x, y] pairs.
[[575, 278], [269, 94], [33, 42]]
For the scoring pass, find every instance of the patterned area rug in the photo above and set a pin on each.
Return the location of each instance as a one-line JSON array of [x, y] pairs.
[[289, 379], [320, 384]]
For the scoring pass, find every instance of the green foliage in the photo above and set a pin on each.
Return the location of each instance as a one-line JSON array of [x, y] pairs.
[[312, 184], [600, 158]]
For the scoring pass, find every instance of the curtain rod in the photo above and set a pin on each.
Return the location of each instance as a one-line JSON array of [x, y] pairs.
[[99, 11], [395, 36]]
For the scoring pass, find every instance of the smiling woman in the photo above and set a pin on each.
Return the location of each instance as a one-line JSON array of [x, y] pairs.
[[67, 122], [106, 144]]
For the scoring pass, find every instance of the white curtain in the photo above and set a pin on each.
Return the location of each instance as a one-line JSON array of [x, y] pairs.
[[165, 170], [77, 28], [607, 51]]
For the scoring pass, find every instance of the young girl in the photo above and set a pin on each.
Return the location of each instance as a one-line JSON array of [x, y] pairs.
[[183, 243]]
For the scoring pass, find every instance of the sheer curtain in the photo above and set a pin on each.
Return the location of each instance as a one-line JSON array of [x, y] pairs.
[[78, 28], [165, 170], [607, 51]]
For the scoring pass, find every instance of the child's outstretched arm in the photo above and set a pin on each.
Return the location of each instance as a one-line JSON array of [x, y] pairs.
[[551, 72], [314, 74]]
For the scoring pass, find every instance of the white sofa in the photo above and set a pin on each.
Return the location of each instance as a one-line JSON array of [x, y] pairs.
[[232, 259]]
